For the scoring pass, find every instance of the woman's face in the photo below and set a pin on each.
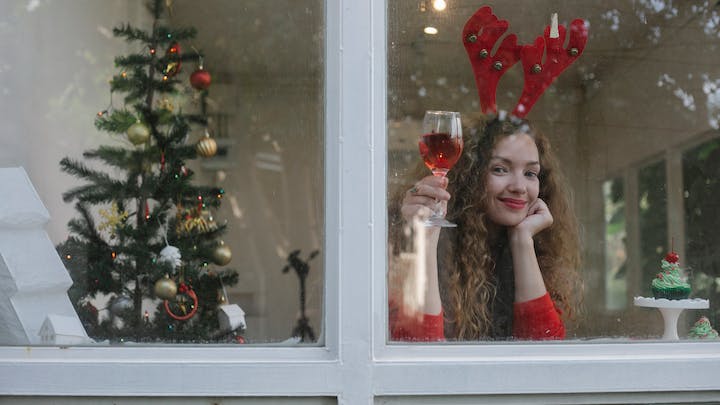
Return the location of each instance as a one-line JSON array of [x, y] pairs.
[[512, 180]]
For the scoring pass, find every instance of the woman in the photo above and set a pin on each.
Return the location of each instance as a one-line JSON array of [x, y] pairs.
[[509, 268]]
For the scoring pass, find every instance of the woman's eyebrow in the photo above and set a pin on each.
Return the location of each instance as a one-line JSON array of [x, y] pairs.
[[509, 161]]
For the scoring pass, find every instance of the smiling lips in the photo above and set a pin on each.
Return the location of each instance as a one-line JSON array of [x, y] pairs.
[[513, 203]]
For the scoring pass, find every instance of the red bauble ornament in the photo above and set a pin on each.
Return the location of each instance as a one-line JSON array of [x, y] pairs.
[[672, 257], [200, 79]]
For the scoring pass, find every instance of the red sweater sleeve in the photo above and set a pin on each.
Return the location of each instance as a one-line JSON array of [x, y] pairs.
[[427, 328], [537, 319]]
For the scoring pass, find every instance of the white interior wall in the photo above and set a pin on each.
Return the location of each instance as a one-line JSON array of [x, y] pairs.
[[53, 80]]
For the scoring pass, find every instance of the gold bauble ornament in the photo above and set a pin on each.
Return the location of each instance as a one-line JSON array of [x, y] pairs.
[[222, 254], [206, 146], [138, 133], [165, 288]]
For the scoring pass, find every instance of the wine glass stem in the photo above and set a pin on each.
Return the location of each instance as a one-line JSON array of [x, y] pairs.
[[439, 212]]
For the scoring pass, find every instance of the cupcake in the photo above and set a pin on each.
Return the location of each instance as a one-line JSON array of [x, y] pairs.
[[702, 330], [670, 283]]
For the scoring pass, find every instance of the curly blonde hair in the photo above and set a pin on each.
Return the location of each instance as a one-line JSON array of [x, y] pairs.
[[470, 286]]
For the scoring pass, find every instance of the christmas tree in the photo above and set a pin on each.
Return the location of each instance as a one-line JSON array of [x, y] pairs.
[[145, 239]]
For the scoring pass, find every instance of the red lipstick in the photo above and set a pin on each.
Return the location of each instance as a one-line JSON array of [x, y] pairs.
[[513, 203]]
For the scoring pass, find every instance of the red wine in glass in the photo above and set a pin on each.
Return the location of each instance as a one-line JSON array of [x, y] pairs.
[[440, 151], [440, 148]]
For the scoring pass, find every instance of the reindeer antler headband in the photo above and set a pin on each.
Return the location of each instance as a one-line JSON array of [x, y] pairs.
[[483, 30]]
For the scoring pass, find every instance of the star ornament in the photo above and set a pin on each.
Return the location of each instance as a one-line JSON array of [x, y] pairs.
[[112, 218]]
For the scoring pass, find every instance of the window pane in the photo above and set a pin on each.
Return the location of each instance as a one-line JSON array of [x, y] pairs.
[[615, 249], [629, 105], [700, 175], [228, 146]]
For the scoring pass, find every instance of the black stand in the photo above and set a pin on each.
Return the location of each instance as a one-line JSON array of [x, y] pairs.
[[302, 329]]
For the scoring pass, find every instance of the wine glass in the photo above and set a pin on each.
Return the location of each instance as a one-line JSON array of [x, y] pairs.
[[440, 147]]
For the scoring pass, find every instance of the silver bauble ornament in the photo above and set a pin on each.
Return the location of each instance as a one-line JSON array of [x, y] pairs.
[[121, 304], [138, 133], [222, 254], [165, 288]]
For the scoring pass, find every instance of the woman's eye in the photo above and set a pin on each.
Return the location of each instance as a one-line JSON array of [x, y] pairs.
[[499, 169], [531, 174]]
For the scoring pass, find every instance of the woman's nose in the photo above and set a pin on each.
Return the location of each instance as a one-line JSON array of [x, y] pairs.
[[517, 184]]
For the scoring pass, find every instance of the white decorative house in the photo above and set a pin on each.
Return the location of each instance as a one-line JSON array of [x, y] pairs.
[[62, 330], [33, 279], [231, 317]]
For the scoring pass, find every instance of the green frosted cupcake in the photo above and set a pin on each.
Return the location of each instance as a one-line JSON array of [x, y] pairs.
[[702, 330], [670, 283]]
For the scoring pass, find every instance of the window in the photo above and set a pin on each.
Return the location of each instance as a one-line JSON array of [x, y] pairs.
[[254, 262], [355, 365], [617, 120]]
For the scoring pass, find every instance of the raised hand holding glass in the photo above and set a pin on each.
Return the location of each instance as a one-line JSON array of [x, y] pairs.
[[440, 146]]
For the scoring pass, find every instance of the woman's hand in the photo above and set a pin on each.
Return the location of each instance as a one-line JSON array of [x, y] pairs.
[[538, 218], [422, 199], [529, 283]]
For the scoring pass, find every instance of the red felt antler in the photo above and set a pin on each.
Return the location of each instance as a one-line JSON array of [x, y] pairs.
[[480, 34], [483, 30], [539, 76]]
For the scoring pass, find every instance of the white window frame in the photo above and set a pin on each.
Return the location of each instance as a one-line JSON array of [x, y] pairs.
[[356, 364]]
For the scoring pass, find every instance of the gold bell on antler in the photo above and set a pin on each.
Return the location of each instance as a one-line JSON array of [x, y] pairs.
[[206, 146]]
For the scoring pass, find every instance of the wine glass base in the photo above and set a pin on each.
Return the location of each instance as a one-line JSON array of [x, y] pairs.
[[439, 222]]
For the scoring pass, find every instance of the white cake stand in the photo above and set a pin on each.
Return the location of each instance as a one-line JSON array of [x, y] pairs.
[[671, 310]]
